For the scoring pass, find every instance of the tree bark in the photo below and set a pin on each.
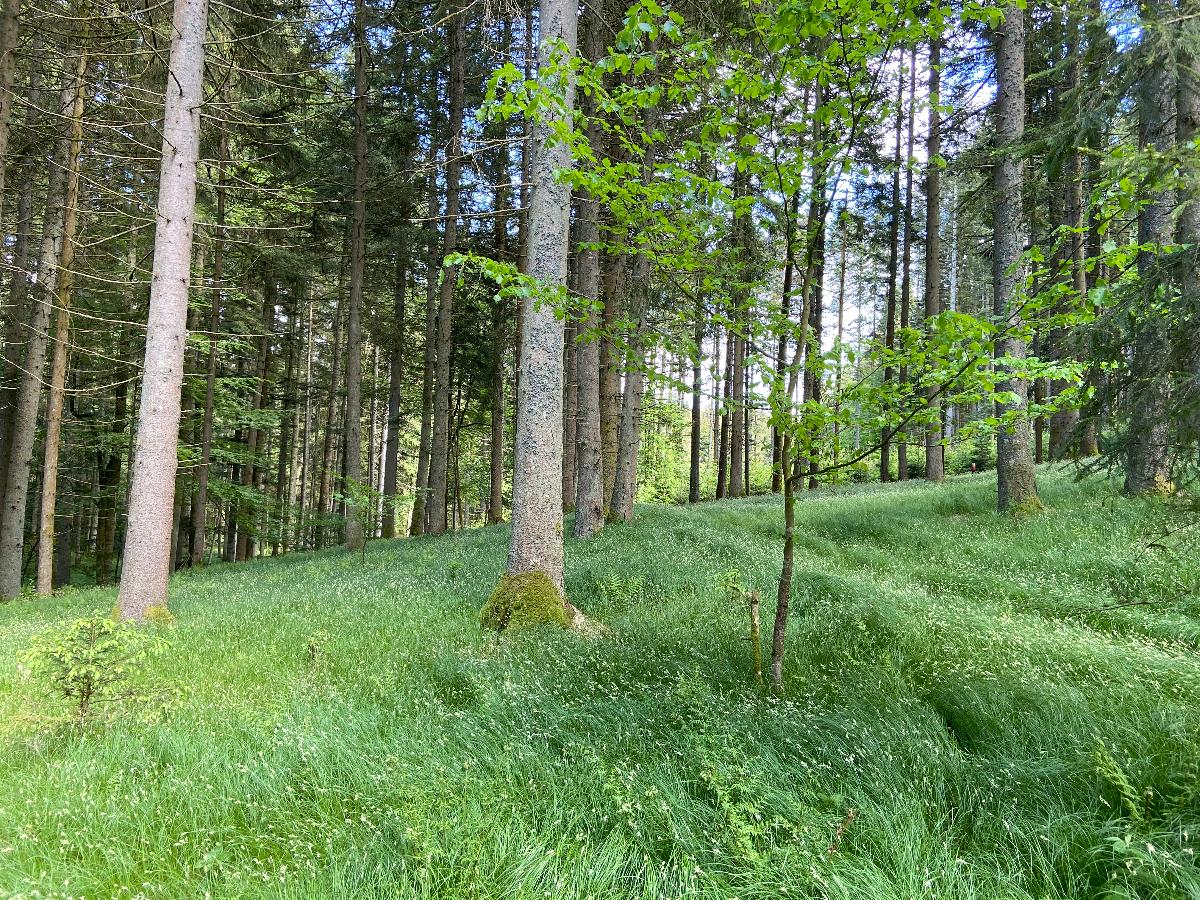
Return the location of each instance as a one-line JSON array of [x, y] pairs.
[[439, 460], [1015, 478], [148, 539], [391, 453], [355, 536], [694, 437], [889, 339], [29, 390], [48, 531], [935, 457], [536, 543], [906, 261], [620, 508], [1147, 462]]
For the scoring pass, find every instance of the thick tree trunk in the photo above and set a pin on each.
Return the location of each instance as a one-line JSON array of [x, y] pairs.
[[499, 342], [614, 289], [935, 457], [148, 540], [48, 531], [536, 545], [439, 460], [1016, 481]]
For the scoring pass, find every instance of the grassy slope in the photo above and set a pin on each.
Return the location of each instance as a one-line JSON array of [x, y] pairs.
[[951, 675]]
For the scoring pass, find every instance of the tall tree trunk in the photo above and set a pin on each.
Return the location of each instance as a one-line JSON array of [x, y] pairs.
[[10, 20], [589, 486], [906, 262], [439, 459], [355, 536], [499, 338], [421, 496], [148, 540], [58, 366], [18, 289], [620, 508], [328, 446], [536, 545], [200, 498], [935, 457], [570, 416], [723, 450], [1147, 462], [24, 427], [697, 424], [889, 326], [391, 453], [1016, 481], [614, 287]]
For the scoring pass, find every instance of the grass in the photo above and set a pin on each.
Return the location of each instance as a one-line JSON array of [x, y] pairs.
[[977, 690]]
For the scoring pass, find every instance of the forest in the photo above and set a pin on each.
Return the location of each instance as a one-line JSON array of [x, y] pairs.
[[630, 448]]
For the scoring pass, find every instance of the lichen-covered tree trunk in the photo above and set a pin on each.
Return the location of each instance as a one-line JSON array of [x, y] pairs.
[[1015, 479], [148, 539], [439, 454], [536, 547], [355, 536]]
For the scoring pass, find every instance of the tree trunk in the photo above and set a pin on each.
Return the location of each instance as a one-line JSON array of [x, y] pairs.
[[694, 438], [9, 28], [935, 457], [421, 495], [439, 460], [889, 339], [328, 447], [148, 540], [18, 291], [536, 544], [58, 366], [391, 453], [200, 498], [620, 508], [906, 262], [24, 427], [1016, 481], [355, 536], [570, 416]]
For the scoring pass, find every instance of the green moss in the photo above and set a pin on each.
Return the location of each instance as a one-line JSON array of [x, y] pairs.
[[523, 601]]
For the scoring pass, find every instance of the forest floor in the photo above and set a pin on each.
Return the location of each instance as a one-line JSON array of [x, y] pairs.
[[975, 707]]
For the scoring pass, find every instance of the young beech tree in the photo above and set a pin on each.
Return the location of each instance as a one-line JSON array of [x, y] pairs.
[[148, 542]]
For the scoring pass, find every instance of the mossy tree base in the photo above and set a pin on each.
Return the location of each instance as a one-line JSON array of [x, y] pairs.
[[524, 601]]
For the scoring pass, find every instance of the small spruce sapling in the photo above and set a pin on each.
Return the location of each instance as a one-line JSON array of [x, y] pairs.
[[93, 660]]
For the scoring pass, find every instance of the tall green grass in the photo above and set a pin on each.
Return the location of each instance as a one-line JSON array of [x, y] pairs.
[[1011, 708]]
